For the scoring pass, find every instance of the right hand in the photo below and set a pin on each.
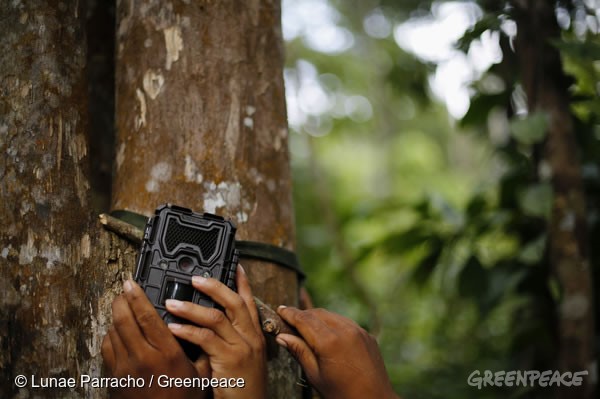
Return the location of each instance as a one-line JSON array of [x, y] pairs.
[[341, 360], [232, 339], [139, 344]]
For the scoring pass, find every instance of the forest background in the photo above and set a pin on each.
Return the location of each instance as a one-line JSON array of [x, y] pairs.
[[428, 203]]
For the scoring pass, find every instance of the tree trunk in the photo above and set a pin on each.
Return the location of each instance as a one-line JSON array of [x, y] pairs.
[[547, 90], [59, 271], [201, 122]]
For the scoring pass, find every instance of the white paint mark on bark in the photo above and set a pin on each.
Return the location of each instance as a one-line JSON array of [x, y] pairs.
[[28, 251], [256, 176], [140, 120], [5, 251], [120, 155], [148, 43], [248, 120], [173, 44], [77, 147], [191, 171], [52, 254], [85, 245], [153, 83], [152, 186], [242, 217], [160, 172], [279, 139], [225, 194], [38, 173]]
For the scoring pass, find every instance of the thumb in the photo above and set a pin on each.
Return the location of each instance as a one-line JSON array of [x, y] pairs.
[[301, 352]]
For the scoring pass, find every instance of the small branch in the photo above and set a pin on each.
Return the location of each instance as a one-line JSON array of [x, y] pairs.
[[121, 228], [270, 321]]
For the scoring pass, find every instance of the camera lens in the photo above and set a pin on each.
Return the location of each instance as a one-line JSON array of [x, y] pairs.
[[180, 291], [186, 264]]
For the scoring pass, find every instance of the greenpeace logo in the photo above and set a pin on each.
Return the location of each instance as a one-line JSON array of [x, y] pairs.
[[529, 378]]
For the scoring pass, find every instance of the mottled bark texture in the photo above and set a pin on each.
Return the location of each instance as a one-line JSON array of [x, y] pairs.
[[547, 90], [201, 122], [59, 270]]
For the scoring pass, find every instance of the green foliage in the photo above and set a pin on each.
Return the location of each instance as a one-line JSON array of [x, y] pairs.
[[530, 129], [435, 229]]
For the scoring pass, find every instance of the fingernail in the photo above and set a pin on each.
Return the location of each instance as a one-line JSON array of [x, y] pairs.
[[174, 326], [128, 286], [198, 279], [173, 303], [281, 342], [241, 268], [281, 307]]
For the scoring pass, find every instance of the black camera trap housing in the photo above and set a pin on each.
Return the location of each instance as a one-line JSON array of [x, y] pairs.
[[177, 245]]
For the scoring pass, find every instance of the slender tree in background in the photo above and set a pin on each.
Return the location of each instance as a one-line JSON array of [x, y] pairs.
[[547, 88], [200, 122]]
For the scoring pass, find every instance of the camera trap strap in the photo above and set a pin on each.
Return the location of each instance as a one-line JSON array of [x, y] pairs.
[[247, 249]]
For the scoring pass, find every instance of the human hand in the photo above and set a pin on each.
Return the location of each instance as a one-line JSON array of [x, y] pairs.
[[139, 344], [340, 359], [233, 340]]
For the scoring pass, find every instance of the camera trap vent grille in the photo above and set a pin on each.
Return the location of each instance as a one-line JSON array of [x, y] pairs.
[[205, 240]]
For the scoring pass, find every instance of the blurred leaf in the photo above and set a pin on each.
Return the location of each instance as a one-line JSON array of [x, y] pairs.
[[531, 129], [587, 50], [533, 251], [536, 200]]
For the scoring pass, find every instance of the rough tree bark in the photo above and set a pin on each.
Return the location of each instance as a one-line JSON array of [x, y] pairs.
[[59, 270], [547, 87], [201, 122]]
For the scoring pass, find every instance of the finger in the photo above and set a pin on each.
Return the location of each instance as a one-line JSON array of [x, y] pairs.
[[126, 327], [205, 338], [244, 290], [234, 305], [118, 348], [312, 329], [202, 365], [205, 317], [147, 318], [108, 353], [301, 352]]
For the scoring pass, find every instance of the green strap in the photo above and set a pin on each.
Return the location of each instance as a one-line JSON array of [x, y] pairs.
[[247, 249]]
